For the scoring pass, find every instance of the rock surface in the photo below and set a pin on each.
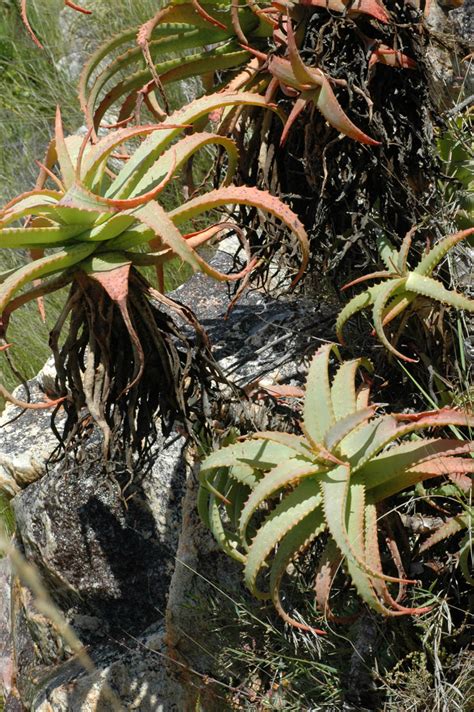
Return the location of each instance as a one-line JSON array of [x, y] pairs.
[[120, 555]]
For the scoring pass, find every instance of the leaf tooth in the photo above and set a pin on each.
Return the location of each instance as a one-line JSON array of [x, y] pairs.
[[432, 288], [279, 523], [286, 474]]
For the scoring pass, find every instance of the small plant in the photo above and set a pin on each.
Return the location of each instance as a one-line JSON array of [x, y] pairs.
[[267, 497], [390, 298]]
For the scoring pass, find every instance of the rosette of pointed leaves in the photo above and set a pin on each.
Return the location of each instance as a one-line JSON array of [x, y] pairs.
[[267, 497], [103, 226], [402, 286], [312, 87], [234, 31], [91, 214]]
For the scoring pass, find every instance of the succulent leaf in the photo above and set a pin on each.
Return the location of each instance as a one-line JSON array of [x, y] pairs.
[[430, 261], [283, 475], [289, 512], [343, 389], [302, 535], [429, 287], [318, 413]]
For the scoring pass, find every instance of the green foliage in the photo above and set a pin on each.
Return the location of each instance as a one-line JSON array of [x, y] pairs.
[[390, 298], [92, 214], [97, 221], [97, 218], [348, 460], [456, 152], [215, 37]]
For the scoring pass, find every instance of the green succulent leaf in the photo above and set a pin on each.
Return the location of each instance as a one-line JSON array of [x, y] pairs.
[[343, 389], [429, 287], [259, 453], [293, 508], [61, 260], [146, 155], [283, 475], [318, 413]]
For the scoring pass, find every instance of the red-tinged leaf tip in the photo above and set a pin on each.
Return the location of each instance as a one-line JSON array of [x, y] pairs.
[[6, 395], [391, 58], [206, 16], [234, 14], [256, 53], [26, 22], [459, 417], [298, 107], [330, 108], [366, 7], [301, 72], [50, 174], [372, 275], [82, 149], [78, 8]]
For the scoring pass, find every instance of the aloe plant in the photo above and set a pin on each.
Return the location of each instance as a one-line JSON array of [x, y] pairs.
[[235, 31], [270, 495], [174, 45], [390, 298], [95, 225]]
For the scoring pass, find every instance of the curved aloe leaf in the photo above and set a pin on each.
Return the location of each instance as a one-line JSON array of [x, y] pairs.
[[302, 535], [296, 505], [318, 413], [281, 476], [65, 258], [343, 390], [154, 145], [429, 287]]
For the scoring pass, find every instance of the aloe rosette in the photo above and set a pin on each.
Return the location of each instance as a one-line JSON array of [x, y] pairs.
[[196, 39], [401, 286], [175, 43], [104, 226], [270, 495], [89, 214]]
